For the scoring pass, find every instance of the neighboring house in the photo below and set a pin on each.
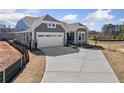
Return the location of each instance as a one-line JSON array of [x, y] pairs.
[[6, 34], [46, 31]]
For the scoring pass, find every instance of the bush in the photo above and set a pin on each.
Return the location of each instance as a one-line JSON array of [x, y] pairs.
[[80, 45]]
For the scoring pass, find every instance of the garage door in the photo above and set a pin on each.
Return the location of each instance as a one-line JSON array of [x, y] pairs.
[[50, 39]]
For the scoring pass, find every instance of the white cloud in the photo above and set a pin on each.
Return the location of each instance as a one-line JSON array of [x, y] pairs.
[[122, 20], [31, 11], [6, 11], [11, 16], [90, 25], [69, 18], [99, 15]]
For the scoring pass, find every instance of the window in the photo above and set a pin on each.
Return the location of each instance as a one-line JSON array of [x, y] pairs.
[[35, 35], [27, 38], [59, 35], [81, 36], [24, 36], [40, 35], [48, 35], [30, 34], [51, 25], [53, 35]]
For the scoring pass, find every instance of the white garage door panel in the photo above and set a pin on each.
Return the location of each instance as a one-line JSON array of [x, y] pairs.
[[55, 39]]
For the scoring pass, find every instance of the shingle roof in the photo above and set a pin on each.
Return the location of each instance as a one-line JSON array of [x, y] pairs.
[[49, 18], [29, 20], [75, 26], [37, 22], [33, 22]]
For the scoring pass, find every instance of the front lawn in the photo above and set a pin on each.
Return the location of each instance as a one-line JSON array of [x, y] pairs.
[[114, 56]]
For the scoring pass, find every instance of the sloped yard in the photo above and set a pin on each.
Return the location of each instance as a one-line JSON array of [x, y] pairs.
[[34, 70], [114, 56], [8, 55]]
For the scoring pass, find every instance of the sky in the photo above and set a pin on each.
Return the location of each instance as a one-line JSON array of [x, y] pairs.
[[94, 19]]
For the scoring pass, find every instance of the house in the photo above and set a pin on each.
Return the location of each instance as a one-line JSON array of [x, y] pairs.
[[7, 33], [46, 31]]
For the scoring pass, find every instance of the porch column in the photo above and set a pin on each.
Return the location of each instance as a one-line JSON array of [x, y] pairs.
[[75, 37]]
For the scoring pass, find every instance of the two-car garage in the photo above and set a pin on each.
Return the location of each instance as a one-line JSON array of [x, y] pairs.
[[49, 39]]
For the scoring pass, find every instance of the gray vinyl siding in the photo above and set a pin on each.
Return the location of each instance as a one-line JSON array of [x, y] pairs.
[[23, 38], [43, 28]]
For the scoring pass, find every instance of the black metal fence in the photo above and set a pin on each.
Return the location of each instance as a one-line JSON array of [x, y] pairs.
[[1, 76]]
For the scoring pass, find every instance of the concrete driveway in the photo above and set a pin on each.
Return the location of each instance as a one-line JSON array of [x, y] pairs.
[[68, 65]]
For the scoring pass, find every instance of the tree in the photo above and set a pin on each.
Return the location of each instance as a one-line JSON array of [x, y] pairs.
[[114, 37], [108, 28], [95, 38]]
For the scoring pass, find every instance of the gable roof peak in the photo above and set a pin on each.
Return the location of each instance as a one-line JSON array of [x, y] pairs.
[[49, 18], [47, 15]]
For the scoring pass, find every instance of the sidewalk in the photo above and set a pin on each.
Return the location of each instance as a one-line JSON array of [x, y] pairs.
[[86, 66]]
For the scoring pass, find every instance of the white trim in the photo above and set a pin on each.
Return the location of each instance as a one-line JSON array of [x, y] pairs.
[[23, 32], [75, 36], [50, 22], [24, 22]]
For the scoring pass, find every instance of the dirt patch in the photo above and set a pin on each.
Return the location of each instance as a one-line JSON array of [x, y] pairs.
[[34, 70], [8, 55]]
